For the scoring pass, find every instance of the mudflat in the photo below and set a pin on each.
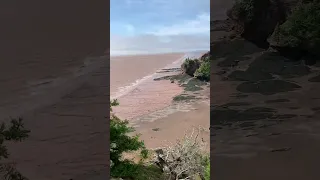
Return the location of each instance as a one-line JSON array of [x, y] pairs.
[[125, 71], [150, 107]]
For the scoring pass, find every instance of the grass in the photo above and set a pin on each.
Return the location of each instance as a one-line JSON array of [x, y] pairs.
[[149, 172], [140, 171], [189, 83], [182, 97], [193, 85]]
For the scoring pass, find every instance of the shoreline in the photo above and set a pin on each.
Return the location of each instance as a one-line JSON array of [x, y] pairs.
[[128, 72], [153, 112], [122, 86]]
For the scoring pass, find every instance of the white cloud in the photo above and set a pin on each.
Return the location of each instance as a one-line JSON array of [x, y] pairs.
[[185, 36], [200, 25], [148, 44]]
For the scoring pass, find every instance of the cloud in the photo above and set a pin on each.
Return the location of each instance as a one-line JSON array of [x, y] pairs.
[[149, 44], [200, 25], [158, 26]]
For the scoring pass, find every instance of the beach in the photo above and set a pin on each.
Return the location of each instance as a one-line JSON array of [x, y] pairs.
[[128, 71], [148, 103]]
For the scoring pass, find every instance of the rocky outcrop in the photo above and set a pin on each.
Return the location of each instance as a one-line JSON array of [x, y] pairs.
[[199, 68], [259, 21], [205, 57]]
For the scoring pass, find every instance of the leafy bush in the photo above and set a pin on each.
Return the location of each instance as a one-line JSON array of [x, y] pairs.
[[302, 28], [15, 132], [244, 10], [190, 66], [203, 72], [206, 59], [121, 142], [207, 171]]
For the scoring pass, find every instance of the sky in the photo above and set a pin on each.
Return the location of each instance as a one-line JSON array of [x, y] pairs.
[[158, 26]]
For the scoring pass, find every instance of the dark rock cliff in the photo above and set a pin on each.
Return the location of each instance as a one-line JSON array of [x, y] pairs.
[[288, 26]]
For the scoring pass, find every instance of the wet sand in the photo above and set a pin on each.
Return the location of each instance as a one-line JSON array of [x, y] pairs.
[[165, 131], [148, 97], [149, 106], [126, 70]]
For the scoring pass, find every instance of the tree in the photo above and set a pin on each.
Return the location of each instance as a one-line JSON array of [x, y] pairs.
[[121, 142], [14, 132]]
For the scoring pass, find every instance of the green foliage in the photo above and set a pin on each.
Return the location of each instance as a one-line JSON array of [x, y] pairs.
[[244, 10], [207, 171], [206, 59], [189, 62], [203, 72], [302, 28], [189, 66], [121, 142], [15, 132], [144, 153], [182, 97]]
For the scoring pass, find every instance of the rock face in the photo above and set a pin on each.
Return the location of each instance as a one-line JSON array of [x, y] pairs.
[[205, 57], [258, 21]]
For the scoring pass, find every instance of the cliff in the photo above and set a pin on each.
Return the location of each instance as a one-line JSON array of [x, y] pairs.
[[288, 26]]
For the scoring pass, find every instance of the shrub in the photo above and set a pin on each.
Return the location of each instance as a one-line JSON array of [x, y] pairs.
[[15, 132], [302, 28], [121, 142], [190, 66], [203, 72], [244, 10], [207, 171]]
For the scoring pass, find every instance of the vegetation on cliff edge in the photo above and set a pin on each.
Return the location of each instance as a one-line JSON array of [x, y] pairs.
[[185, 159], [302, 28], [199, 68], [14, 132]]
